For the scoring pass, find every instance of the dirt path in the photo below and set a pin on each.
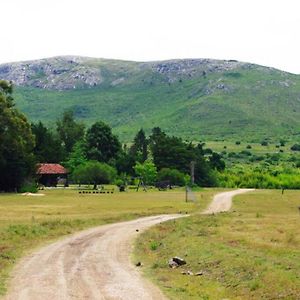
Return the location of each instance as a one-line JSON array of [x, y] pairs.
[[223, 201], [93, 264]]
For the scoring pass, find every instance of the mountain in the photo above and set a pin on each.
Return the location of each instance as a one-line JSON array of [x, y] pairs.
[[193, 98]]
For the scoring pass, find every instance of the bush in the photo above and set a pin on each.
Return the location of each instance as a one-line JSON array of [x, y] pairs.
[[295, 147], [246, 152], [29, 187], [237, 142], [282, 143], [264, 143], [174, 176], [249, 147], [231, 154], [256, 178], [94, 172]]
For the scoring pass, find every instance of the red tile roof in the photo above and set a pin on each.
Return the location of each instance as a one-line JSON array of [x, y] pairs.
[[51, 169]]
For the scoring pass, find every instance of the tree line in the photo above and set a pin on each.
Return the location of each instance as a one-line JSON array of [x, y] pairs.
[[94, 154]]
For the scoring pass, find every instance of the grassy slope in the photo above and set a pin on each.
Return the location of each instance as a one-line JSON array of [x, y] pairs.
[[254, 105], [27, 222], [249, 253]]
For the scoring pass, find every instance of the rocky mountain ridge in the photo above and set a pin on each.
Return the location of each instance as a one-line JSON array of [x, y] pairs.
[[191, 98], [74, 72]]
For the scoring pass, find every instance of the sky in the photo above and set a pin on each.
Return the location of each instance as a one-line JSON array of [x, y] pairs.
[[264, 32]]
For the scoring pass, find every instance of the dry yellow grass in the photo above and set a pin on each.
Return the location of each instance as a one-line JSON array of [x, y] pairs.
[[27, 221], [252, 252]]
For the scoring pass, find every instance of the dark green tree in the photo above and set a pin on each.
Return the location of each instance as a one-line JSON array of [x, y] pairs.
[[170, 152], [125, 163], [173, 153], [16, 143], [48, 147], [139, 148], [69, 130], [217, 162], [101, 143]]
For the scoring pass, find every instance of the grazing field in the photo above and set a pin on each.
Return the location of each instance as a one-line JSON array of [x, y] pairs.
[[252, 252], [27, 222], [255, 148]]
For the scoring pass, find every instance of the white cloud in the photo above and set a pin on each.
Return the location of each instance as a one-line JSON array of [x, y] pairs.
[[259, 31]]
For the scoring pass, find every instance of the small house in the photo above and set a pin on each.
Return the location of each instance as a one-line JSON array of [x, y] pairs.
[[52, 174]]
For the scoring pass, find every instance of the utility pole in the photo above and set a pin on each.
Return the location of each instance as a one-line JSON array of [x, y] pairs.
[[186, 193], [192, 165]]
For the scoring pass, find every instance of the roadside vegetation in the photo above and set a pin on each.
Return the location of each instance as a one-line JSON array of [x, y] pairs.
[[251, 252]]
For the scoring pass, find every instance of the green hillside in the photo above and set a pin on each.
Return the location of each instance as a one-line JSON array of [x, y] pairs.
[[195, 99]]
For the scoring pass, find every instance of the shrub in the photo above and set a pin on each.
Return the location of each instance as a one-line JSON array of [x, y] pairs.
[[249, 147], [174, 176], [264, 143], [257, 178], [94, 172], [154, 245], [282, 143], [29, 187], [245, 152], [295, 147], [231, 154], [237, 142]]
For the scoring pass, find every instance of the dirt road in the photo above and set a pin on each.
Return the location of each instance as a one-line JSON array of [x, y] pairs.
[[93, 264], [223, 201]]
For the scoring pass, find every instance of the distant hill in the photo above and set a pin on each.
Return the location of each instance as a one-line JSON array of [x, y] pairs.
[[193, 98]]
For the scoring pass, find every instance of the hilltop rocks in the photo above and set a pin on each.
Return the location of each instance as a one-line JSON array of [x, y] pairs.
[[192, 66], [60, 73], [68, 72]]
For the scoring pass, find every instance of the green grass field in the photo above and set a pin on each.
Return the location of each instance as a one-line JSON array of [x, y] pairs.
[[27, 222], [256, 148], [251, 252]]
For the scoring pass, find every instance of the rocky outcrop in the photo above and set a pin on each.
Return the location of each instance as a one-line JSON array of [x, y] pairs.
[[59, 73], [72, 72]]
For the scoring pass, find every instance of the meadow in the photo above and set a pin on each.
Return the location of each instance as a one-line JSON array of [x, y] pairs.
[[27, 222], [270, 166], [251, 252]]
